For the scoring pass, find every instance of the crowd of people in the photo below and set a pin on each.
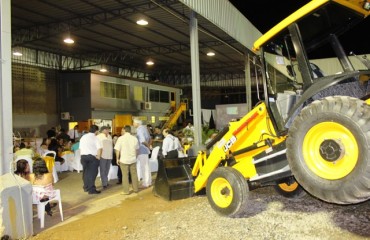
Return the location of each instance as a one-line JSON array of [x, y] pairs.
[[32, 163], [99, 150], [130, 151]]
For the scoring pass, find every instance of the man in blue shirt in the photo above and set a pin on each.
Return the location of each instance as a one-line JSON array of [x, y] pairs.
[[144, 138]]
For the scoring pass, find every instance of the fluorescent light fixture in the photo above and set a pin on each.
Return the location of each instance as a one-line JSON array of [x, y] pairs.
[[142, 22], [103, 70], [211, 54], [150, 63], [17, 53], [69, 40]]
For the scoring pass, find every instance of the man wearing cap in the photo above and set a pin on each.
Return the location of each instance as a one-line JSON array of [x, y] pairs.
[[107, 154], [143, 156], [91, 150]]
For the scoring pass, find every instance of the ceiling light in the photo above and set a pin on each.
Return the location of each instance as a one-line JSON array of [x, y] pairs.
[[69, 40], [150, 63], [103, 70], [17, 53], [211, 54], [142, 22]]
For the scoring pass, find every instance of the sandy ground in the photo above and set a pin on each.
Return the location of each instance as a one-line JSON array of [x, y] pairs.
[[110, 215]]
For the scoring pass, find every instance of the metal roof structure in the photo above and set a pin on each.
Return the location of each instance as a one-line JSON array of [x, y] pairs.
[[106, 32]]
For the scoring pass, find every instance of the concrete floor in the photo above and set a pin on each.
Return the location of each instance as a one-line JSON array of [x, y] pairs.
[[77, 203]]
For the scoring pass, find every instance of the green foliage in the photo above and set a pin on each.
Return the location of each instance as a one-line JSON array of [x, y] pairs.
[[206, 133]]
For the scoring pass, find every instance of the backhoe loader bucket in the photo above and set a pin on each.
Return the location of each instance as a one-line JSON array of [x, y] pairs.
[[174, 180]]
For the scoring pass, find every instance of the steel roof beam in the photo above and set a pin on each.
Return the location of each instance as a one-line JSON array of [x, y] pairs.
[[39, 32]]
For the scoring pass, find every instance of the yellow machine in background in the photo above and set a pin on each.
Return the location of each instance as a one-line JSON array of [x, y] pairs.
[[175, 116], [310, 132]]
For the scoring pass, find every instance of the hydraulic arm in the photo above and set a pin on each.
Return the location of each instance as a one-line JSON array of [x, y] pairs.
[[237, 146]]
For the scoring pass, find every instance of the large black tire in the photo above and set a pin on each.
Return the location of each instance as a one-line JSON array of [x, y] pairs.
[[289, 188], [227, 191], [328, 149]]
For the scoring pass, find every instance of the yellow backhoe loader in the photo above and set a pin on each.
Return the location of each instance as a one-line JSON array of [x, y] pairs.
[[311, 129]]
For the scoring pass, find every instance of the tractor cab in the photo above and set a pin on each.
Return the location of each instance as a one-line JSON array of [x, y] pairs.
[[308, 56]]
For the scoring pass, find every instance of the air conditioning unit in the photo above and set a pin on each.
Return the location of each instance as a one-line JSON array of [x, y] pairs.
[[65, 116], [148, 105]]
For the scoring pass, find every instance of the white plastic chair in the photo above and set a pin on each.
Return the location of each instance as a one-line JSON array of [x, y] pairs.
[[68, 159], [55, 174], [41, 205], [153, 161], [112, 174]]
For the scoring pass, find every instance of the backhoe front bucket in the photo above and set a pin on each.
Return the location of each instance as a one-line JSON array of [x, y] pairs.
[[174, 180]]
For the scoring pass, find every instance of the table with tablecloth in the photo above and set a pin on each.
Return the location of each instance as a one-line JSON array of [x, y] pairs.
[[68, 157]]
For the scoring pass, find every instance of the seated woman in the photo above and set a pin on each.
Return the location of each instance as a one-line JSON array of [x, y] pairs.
[[42, 183], [44, 146], [58, 149], [23, 169]]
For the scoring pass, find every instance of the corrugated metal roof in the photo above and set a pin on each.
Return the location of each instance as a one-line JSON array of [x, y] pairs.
[[224, 15], [109, 27]]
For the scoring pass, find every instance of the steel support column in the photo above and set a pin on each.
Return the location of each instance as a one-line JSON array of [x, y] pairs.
[[6, 119], [195, 78]]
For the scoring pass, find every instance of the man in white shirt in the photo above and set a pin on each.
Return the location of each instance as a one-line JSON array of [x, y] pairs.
[[126, 148], [107, 154], [73, 134], [171, 145], [90, 149]]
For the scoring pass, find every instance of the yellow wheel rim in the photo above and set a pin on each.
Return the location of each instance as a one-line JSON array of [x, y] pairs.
[[222, 192], [338, 136], [288, 188]]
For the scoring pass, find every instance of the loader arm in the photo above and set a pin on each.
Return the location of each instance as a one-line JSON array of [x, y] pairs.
[[243, 140], [175, 116]]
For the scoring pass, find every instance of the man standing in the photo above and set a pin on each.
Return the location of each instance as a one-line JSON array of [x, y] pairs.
[[107, 154], [143, 158], [171, 145], [73, 134], [126, 149], [157, 137], [91, 150]]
